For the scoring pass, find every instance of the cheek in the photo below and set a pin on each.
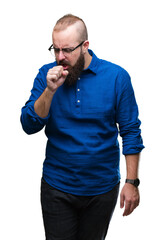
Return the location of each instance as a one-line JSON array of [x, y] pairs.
[[73, 59], [57, 59], [72, 62]]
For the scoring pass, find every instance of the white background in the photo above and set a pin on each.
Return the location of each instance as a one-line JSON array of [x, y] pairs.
[[127, 32]]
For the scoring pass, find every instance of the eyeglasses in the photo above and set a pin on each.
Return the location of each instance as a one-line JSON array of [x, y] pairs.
[[66, 51]]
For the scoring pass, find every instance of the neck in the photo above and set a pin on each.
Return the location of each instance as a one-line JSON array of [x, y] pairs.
[[88, 59]]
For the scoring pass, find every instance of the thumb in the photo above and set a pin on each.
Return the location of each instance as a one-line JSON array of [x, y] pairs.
[[121, 200], [65, 73]]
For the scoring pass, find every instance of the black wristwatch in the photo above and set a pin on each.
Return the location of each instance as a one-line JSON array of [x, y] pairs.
[[134, 182]]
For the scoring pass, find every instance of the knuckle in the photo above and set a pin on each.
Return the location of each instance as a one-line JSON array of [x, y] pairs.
[[129, 200]]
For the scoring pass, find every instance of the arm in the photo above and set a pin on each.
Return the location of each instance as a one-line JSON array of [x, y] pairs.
[[35, 113], [55, 78], [129, 126], [130, 194]]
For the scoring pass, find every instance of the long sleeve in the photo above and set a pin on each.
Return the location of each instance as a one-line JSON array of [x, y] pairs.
[[30, 121], [127, 115]]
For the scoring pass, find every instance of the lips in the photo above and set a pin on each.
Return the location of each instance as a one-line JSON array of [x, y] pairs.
[[65, 66]]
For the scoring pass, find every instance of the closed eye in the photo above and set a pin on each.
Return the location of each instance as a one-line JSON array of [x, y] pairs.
[[65, 50]]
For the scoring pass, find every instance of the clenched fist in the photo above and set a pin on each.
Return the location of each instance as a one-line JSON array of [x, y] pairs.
[[56, 77]]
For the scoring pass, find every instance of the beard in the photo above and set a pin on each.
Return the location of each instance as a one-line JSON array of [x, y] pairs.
[[74, 71]]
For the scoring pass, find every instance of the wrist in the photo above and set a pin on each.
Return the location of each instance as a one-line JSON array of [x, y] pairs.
[[134, 182], [50, 92]]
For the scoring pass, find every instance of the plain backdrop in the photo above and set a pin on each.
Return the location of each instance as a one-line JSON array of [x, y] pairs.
[[129, 33]]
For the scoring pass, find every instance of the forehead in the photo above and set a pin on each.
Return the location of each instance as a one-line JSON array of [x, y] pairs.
[[66, 37]]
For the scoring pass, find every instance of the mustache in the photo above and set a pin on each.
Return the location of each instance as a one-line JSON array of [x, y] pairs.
[[62, 62]]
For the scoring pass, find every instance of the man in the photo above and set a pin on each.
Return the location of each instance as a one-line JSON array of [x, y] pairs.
[[81, 99]]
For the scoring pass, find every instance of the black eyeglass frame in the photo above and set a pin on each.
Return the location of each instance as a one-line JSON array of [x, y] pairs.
[[64, 50]]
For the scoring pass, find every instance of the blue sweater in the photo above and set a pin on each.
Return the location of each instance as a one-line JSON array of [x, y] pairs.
[[82, 152]]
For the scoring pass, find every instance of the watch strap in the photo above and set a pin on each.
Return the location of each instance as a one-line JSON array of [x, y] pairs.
[[134, 182]]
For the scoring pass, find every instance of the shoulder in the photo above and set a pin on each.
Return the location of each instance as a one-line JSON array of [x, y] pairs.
[[118, 74], [112, 67], [40, 79], [47, 66], [113, 71]]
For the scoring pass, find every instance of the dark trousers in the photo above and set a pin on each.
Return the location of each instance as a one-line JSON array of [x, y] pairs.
[[70, 217]]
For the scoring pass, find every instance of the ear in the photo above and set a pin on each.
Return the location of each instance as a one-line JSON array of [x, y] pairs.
[[85, 46]]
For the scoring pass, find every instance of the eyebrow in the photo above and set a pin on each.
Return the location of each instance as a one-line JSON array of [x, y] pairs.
[[54, 45]]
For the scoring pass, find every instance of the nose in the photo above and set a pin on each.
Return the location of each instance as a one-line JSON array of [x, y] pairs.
[[61, 56]]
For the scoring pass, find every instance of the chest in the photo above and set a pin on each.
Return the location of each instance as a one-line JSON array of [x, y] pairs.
[[89, 96]]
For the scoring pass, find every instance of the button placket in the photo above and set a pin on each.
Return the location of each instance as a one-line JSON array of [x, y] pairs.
[[78, 95]]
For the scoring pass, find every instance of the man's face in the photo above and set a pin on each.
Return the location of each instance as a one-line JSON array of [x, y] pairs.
[[74, 61]]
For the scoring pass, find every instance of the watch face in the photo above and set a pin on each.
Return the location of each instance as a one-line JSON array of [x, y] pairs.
[[137, 182]]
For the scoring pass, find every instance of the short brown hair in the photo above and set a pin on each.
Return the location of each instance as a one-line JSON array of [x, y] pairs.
[[68, 20]]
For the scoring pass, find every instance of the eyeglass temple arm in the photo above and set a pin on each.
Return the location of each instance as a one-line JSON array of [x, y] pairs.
[[50, 47]]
